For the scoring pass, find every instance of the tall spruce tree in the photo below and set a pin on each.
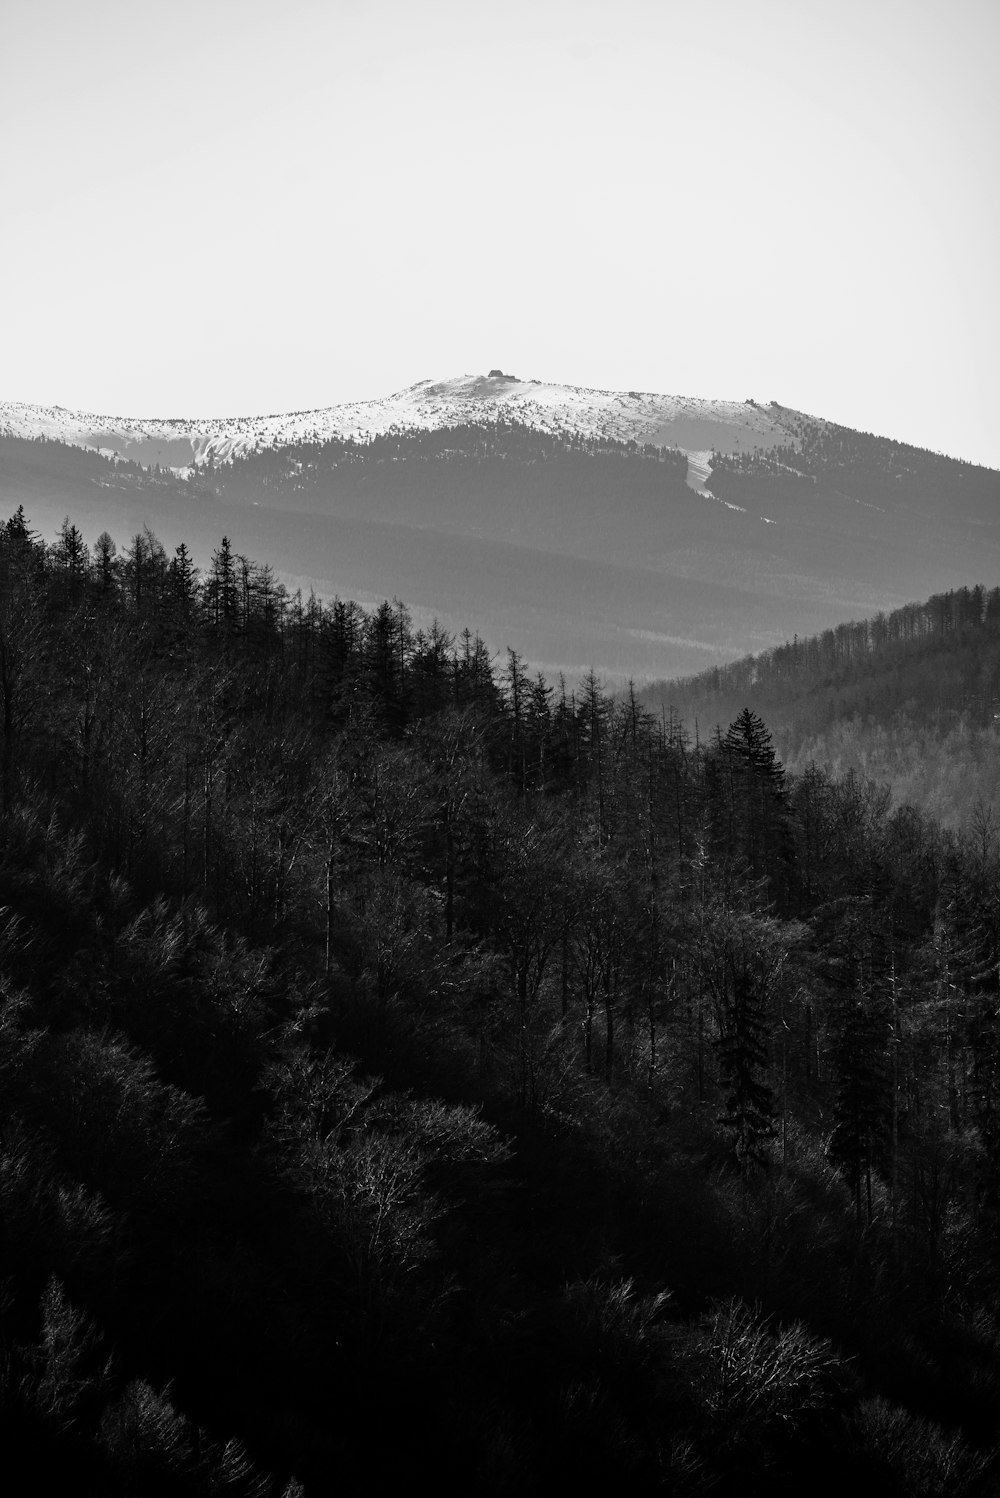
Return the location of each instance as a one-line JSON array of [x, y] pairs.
[[747, 786]]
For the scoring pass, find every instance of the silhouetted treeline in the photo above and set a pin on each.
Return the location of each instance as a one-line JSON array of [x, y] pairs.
[[418, 1073]]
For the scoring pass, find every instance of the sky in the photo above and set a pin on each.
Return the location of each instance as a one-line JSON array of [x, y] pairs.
[[219, 207]]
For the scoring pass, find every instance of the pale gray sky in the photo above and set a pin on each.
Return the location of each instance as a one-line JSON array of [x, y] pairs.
[[221, 206]]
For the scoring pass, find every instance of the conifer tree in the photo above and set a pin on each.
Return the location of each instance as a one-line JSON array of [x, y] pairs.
[[220, 588], [748, 793]]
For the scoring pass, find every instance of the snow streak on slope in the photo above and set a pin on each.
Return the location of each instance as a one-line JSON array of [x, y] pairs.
[[699, 471], [692, 424]]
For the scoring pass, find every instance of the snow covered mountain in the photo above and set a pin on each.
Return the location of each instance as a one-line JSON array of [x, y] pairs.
[[723, 527], [693, 424]]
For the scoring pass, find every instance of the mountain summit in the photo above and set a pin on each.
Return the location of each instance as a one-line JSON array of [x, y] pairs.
[[687, 422]]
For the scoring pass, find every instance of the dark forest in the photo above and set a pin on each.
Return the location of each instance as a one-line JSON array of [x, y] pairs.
[[417, 1072]]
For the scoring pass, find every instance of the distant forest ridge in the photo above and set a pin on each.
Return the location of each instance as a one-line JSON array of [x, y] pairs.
[[820, 445], [874, 471], [862, 648], [910, 697], [479, 440]]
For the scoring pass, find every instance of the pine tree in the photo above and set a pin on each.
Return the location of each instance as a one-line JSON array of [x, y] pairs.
[[71, 557], [517, 692], [183, 582], [105, 564], [220, 588], [747, 783]]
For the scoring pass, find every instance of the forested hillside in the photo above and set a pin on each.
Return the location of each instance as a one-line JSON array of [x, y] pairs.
[[874, 472], [911, 699], [418, 1074]]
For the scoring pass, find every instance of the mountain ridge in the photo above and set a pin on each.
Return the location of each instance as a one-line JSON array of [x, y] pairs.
[[692, 423]]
